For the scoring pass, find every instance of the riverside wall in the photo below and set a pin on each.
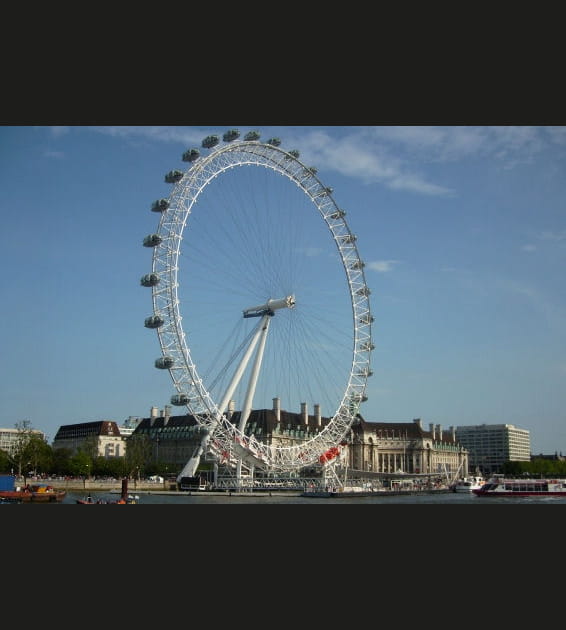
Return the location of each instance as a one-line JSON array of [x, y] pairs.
[[100, 485]]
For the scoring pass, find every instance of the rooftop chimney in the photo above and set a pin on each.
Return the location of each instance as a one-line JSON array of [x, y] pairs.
[[317, 415], [277, 408], [153, 413], [304, 413]]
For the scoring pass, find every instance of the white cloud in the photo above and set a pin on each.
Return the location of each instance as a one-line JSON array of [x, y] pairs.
[[529, 248], [382, 266], [354, 156]]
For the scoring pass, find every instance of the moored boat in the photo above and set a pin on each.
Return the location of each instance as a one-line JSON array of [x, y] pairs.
[[345, 491], [34, 494], [500, 486], [468, 484]]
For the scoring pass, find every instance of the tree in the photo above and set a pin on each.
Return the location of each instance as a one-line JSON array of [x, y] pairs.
[[5, 462], [138, 452], [20, 453], [60, 463], [80, 464]]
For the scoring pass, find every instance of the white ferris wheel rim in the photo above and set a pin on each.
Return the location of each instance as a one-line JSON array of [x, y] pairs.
[[166, 303]]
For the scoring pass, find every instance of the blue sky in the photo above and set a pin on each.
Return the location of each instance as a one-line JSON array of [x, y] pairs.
[[462, 229]]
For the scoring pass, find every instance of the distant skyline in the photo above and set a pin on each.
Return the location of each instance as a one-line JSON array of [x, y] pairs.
[[462, 229]]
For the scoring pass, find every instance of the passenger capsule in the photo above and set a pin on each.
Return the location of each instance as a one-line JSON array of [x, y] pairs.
[[164, 363], [210, 141], [149, 280], [357, 397], [338, 214], [160, 205], [275, 142], [154, 321], [179, 399], [252, 135], [324, 192], [152, 240], [191, 155], [294, 153], [173, 177], [230, 135]]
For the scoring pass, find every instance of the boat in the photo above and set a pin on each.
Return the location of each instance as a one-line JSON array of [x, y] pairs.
[[121, 501], [468, 484], [341, 492], [37, 493], [500, 486], [88, 500], [125, 498]]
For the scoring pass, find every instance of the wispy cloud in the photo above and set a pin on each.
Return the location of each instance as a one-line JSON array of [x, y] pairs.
[[189, 136], [382, 266], [310, 252], [354, 156], [54, 154]]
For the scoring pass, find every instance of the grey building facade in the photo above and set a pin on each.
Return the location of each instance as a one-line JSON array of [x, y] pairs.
[[491, 445]]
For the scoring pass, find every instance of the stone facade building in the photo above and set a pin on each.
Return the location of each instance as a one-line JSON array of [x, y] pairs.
[[373, 447], [103, 436], [406, 447]]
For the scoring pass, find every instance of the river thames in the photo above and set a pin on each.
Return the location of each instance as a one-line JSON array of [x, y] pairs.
[[442, 498]]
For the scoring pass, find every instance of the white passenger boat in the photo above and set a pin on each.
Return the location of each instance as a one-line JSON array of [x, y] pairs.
[[468, 484], [500, 486]]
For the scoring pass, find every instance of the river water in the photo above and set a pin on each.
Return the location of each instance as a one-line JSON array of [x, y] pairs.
[[450, 498]]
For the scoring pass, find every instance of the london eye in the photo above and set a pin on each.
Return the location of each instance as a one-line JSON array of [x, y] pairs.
[[259, 295]]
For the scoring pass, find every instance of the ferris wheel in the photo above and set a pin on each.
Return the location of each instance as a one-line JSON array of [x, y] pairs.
[[253, 256]]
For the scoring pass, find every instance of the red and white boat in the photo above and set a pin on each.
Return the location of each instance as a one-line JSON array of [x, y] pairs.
[[500, 486]]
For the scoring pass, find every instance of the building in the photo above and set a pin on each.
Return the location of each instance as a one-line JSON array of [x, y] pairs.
[[174, 438], [406, 447], [9, 438], [491, 445], [382, 448], [129, 426], [102, 436]]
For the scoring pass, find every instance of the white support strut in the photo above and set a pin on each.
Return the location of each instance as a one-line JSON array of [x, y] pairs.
[[265, 311]]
